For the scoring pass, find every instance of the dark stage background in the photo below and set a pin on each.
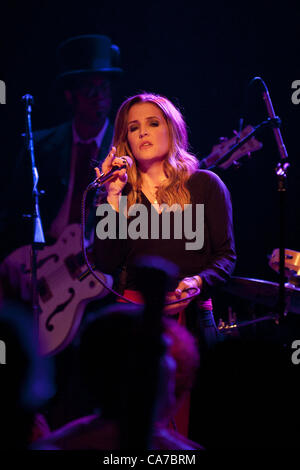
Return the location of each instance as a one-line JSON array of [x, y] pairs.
[[201, 55]]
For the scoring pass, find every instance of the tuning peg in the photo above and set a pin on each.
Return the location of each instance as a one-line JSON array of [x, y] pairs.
[[237, 134]]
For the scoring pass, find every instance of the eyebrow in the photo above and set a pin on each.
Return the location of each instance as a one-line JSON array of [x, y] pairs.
[[150, 117]]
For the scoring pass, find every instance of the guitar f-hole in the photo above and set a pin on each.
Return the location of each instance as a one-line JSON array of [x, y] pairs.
[[60, 308]]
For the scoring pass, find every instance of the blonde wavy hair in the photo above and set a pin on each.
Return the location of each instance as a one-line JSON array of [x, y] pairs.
[[179, 163]]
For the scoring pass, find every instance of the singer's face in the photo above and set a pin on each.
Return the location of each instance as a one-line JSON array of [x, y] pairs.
[[147, 133], [91, 98]]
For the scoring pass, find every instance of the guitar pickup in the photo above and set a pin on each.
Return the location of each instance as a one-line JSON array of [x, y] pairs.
[[73, 266]]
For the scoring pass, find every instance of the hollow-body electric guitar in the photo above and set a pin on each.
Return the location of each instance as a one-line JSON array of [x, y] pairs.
[[65, 287]]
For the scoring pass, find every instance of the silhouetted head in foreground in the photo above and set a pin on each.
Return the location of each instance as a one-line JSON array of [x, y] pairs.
[[125, 360], [26, 378]]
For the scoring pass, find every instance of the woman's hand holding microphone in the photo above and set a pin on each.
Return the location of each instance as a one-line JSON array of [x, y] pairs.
[[114, 186]]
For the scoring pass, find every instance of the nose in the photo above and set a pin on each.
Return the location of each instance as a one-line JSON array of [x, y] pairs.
[[143, 132], [96, 92]]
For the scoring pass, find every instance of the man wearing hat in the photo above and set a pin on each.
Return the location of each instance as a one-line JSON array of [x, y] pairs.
[[67, 154], [87, 64]]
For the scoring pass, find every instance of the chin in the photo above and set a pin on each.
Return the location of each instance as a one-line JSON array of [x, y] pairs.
[[148, 157]]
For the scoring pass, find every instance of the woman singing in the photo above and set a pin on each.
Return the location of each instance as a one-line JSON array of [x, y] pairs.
[[185, 214]]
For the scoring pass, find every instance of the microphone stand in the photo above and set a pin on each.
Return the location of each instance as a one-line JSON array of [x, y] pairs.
[[281, 172], [38, 239]]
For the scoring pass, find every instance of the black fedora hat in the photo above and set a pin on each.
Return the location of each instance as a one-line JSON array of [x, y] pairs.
[[86, 54]]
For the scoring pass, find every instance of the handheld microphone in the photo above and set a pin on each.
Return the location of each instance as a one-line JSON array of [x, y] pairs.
[[104, 177], [267, 99]]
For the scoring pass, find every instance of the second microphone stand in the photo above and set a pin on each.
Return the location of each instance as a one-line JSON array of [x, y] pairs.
[[38, 239], [281, 172]]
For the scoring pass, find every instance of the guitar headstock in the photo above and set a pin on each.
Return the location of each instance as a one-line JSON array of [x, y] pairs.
[[219, 150]]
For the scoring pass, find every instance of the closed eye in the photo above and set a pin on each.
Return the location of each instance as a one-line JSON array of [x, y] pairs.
[[134, 127]]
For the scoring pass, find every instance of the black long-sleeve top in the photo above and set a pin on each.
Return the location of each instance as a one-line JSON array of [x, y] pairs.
[[214, 262]]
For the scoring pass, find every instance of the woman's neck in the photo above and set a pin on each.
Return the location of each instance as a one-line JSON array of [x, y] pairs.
[[153, 175]]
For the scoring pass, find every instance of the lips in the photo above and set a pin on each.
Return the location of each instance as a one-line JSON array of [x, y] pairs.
[[145, 144]]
